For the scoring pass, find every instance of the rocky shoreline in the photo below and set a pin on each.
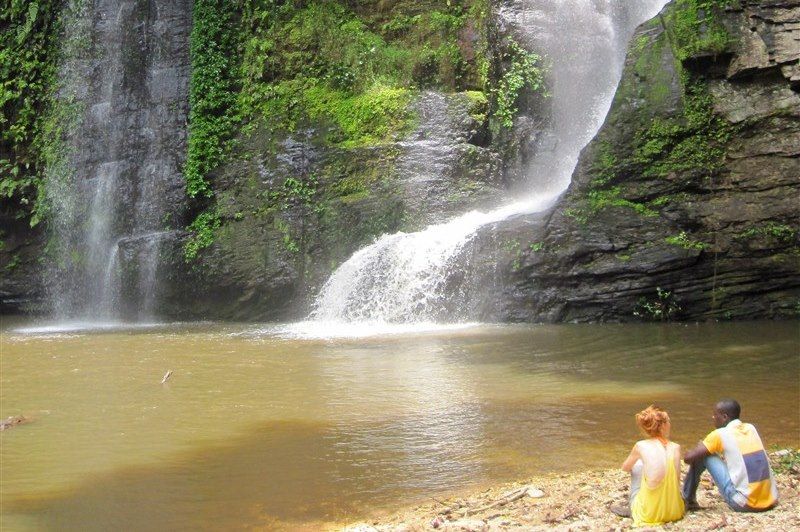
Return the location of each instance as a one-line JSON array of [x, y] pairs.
[[581, 501]]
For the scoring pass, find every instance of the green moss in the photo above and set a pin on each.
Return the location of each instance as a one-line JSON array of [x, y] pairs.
[[478, 105], [605, 165], [662, 143], [579, 215], [322, 59], [696, 140], [15, 261], [695, 30], [373, 117], [777, 231]]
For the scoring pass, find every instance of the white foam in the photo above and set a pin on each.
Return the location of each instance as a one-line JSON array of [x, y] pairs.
[[415, 279], [321, 330], [88, 326]]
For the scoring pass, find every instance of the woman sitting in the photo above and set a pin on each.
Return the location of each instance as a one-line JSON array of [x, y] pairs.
[[657, 499]]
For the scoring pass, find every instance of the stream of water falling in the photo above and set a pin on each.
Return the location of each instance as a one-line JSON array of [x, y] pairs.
[[124, 73], [404, 277]]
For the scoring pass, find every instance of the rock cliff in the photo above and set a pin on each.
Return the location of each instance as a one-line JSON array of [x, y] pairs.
[[685, 205], [332, 154]]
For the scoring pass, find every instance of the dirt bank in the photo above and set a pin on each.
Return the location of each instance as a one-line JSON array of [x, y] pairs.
[[581, 501]]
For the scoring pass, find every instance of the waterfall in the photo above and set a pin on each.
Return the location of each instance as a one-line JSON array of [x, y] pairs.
[[117, 195], [414, 277]]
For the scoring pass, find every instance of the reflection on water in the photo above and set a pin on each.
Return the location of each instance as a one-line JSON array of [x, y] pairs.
[[255, 429]]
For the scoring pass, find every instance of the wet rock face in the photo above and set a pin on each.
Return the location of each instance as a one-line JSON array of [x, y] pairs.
[[294, 208], [126, 187], [685, 205], [20, 286], [123, 78], [442, 171]]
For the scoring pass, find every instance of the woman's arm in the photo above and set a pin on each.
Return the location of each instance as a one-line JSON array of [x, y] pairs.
[[678, 463], [629, 462]]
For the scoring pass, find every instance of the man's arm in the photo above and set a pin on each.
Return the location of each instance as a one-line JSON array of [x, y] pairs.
[[698, 453]]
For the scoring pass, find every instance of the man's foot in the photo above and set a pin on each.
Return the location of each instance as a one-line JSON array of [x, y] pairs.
[[692, 506], [622, 510]]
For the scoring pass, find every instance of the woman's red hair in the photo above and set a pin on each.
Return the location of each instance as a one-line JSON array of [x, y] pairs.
[[653, 421]]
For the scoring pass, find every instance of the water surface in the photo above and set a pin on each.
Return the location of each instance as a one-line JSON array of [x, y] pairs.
[[259, 429]]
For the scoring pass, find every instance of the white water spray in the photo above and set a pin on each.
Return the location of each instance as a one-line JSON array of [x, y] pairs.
[[119, 187], [405, 277]]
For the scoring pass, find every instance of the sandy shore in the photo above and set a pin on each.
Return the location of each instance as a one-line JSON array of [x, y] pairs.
[[579, 501]]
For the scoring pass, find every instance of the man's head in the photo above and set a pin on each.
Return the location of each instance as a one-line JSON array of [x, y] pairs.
[[726, 411]]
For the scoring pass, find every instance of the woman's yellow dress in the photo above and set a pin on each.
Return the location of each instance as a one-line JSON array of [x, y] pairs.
[[659, 505]]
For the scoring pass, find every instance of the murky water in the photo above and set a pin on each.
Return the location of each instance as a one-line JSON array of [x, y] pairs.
[[255, 430]]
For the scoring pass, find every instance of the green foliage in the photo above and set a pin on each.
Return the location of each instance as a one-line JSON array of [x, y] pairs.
[[28, 56], [295, 192], [780, 232], [212, 91], [604, 166], [478, 105], [536, 246], [695, 30], [694, 141], [321, 61], [524, 70], [14, 262], [515, 250], [368, 118], [202, 228], [289, 243], [599, 199], [786, 461], [682, 240], [662, 307]]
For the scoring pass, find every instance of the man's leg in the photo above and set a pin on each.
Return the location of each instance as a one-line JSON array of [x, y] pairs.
[[691, 482], [722, 478]]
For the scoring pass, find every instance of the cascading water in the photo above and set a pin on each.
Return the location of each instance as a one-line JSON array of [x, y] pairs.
[[408, 277], [125, 75]]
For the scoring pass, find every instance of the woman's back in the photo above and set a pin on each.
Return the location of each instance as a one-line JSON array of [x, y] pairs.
[[655, 454], [659, 500]]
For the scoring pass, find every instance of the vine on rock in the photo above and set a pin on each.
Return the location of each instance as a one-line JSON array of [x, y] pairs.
[[28, 50]]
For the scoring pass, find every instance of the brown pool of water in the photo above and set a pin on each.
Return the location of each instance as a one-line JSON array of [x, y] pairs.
[[257, 430]]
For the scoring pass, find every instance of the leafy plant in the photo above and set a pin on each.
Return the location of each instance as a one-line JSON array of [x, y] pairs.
[[780, 232], [212, 91], [202, 229], [683, 240], [662, 307], [28, 57], [524, 70]]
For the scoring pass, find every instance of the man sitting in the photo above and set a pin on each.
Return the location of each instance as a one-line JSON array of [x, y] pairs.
[[744, 478]]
